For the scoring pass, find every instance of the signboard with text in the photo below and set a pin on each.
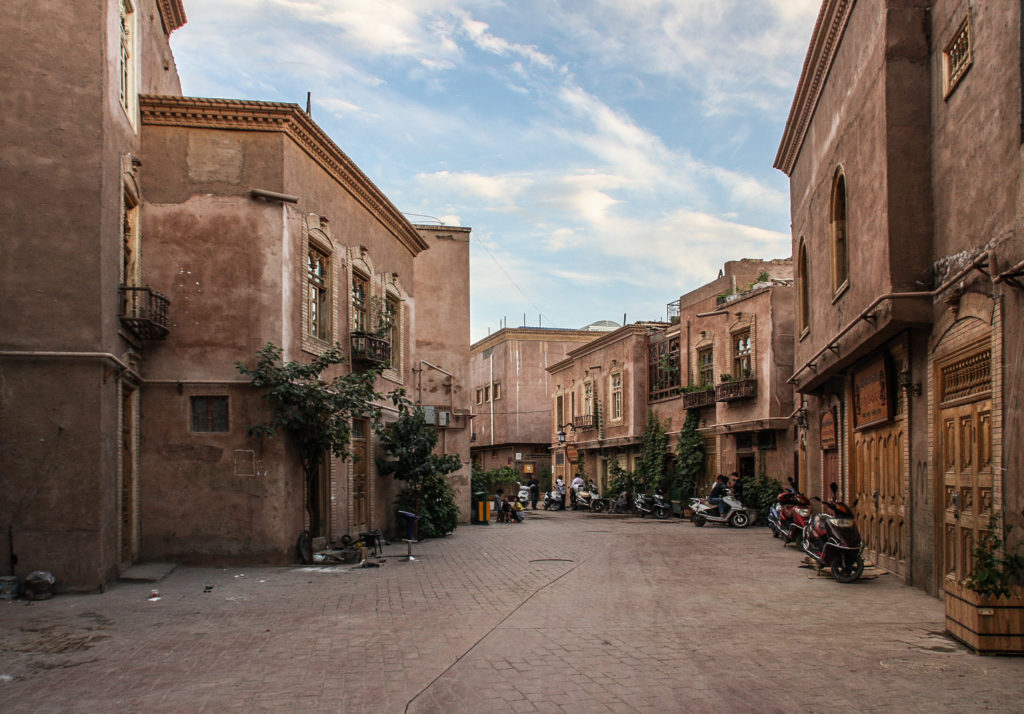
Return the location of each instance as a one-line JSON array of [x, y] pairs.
[[828, 430], [872, 394]]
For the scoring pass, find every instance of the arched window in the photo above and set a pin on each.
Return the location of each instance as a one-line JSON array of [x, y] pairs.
[[839, 237], [804, 307]]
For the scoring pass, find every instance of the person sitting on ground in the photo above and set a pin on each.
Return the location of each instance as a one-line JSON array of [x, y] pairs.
[[517, 511], [718, 492], [506, 510]]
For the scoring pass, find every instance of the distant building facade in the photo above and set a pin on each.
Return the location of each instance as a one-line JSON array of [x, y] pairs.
[[510, 394], [903, 151]]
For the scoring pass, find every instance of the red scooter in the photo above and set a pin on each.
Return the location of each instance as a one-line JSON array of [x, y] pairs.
[[833, 541], [790, 514]]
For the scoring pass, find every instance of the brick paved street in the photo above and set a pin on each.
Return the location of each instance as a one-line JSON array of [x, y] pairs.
[[565, 613]]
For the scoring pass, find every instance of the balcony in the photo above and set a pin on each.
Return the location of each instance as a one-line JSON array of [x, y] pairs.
[[369, 350], [145, 312], [736, 389], [698, 398], [583, 421]]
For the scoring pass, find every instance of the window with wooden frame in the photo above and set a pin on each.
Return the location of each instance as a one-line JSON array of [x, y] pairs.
[[839, 235], [706, 366], [127, 61], [318, 294], [957, 56], [742, 355], [496, 391], [559, 410], [663, 369], [393, 316], [616, 410], [209, 413], [360, 303], [803, 290], [588, 398]]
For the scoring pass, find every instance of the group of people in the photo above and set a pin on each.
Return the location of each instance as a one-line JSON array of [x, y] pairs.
[[722, 488], [509, 508]]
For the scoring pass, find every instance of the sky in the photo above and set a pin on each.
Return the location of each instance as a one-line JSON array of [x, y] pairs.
[[609, 155]]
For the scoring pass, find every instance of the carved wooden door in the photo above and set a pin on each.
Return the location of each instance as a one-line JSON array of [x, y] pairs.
[[878, 483], [359, 516], [966, 453]]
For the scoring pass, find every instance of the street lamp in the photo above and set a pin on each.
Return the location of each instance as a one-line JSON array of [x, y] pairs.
[[561, 431]]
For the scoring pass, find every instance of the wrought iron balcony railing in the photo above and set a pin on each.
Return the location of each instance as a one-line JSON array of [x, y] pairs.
[[699, 398], [145, 312], [583, 421], [736, 389], [369, 349]]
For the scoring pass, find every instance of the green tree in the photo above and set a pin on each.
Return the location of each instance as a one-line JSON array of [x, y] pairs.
[[689, 457], [315, 412], [410, 445], [653, 455]]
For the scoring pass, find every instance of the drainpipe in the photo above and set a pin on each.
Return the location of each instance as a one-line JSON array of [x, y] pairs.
[[490, 392], [125, 369]]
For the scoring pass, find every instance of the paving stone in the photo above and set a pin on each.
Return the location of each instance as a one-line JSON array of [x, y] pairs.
[[573, 612]]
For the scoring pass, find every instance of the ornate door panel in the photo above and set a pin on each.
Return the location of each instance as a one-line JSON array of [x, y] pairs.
[[965, 446], [359, 516], [878, 483]]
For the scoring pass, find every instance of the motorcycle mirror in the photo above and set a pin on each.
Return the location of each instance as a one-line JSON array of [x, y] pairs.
[[815, 498], [792, 482], [834, 488], [855, 502]]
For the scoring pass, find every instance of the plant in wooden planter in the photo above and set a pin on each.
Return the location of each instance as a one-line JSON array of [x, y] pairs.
[[986, 611]]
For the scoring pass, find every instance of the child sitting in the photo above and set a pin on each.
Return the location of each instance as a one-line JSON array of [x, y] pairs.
[[517, 510]]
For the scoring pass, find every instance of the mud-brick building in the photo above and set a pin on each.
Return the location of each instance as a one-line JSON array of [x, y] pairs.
[[599, 403], [736, 337], [903, 149], [183, 235], [73, 280], [511, 394]]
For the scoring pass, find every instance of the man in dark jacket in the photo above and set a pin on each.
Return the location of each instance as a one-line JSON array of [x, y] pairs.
[[718, 492]]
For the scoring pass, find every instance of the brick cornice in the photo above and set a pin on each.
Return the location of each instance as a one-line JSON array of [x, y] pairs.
[[828, 30], [288, 119], [172, 14]]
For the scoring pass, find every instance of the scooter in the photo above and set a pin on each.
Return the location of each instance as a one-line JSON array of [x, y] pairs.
[[736, 515], [655, 505], [833, 541], [523, 494], [553, 501], [589, 498], [790, 514]]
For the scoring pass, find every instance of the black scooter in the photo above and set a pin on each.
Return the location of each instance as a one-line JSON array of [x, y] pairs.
[[833, 540]]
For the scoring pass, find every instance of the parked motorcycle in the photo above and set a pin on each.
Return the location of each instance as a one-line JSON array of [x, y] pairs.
[[833, 540], [553, 501], [588, 497], [790, 514], [523, 493], [656, 505], [736, 515]]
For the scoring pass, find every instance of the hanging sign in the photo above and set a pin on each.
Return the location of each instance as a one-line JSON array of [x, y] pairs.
[[827, 428], [872, 394]]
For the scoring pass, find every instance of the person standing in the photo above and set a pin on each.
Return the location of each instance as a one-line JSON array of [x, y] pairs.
[[534, 486]]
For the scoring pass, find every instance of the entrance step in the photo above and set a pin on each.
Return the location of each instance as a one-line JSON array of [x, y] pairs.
[[147, 572]]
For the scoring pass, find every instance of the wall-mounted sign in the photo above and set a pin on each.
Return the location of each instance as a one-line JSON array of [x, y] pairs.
[[527, 468], [872, 394], [828, 430]]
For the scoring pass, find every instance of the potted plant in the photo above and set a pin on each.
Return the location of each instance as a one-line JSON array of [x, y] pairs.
[[986, 611], [726, 377]]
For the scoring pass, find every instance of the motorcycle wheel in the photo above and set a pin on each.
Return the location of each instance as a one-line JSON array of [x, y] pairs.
[[699, 520], [739, 520], [661, 512], [597, 506], [847, 567]]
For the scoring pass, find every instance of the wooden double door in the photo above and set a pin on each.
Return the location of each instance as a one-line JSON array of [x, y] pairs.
[[965, 453], [878, 481]]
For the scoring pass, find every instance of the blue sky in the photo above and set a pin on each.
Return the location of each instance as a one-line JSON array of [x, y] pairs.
[[609, 155]]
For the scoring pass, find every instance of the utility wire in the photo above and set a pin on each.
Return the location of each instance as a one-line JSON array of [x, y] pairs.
[[521, 291]]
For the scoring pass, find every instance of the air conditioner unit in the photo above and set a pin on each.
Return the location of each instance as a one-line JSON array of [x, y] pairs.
[[430, 415], [444, 418]]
